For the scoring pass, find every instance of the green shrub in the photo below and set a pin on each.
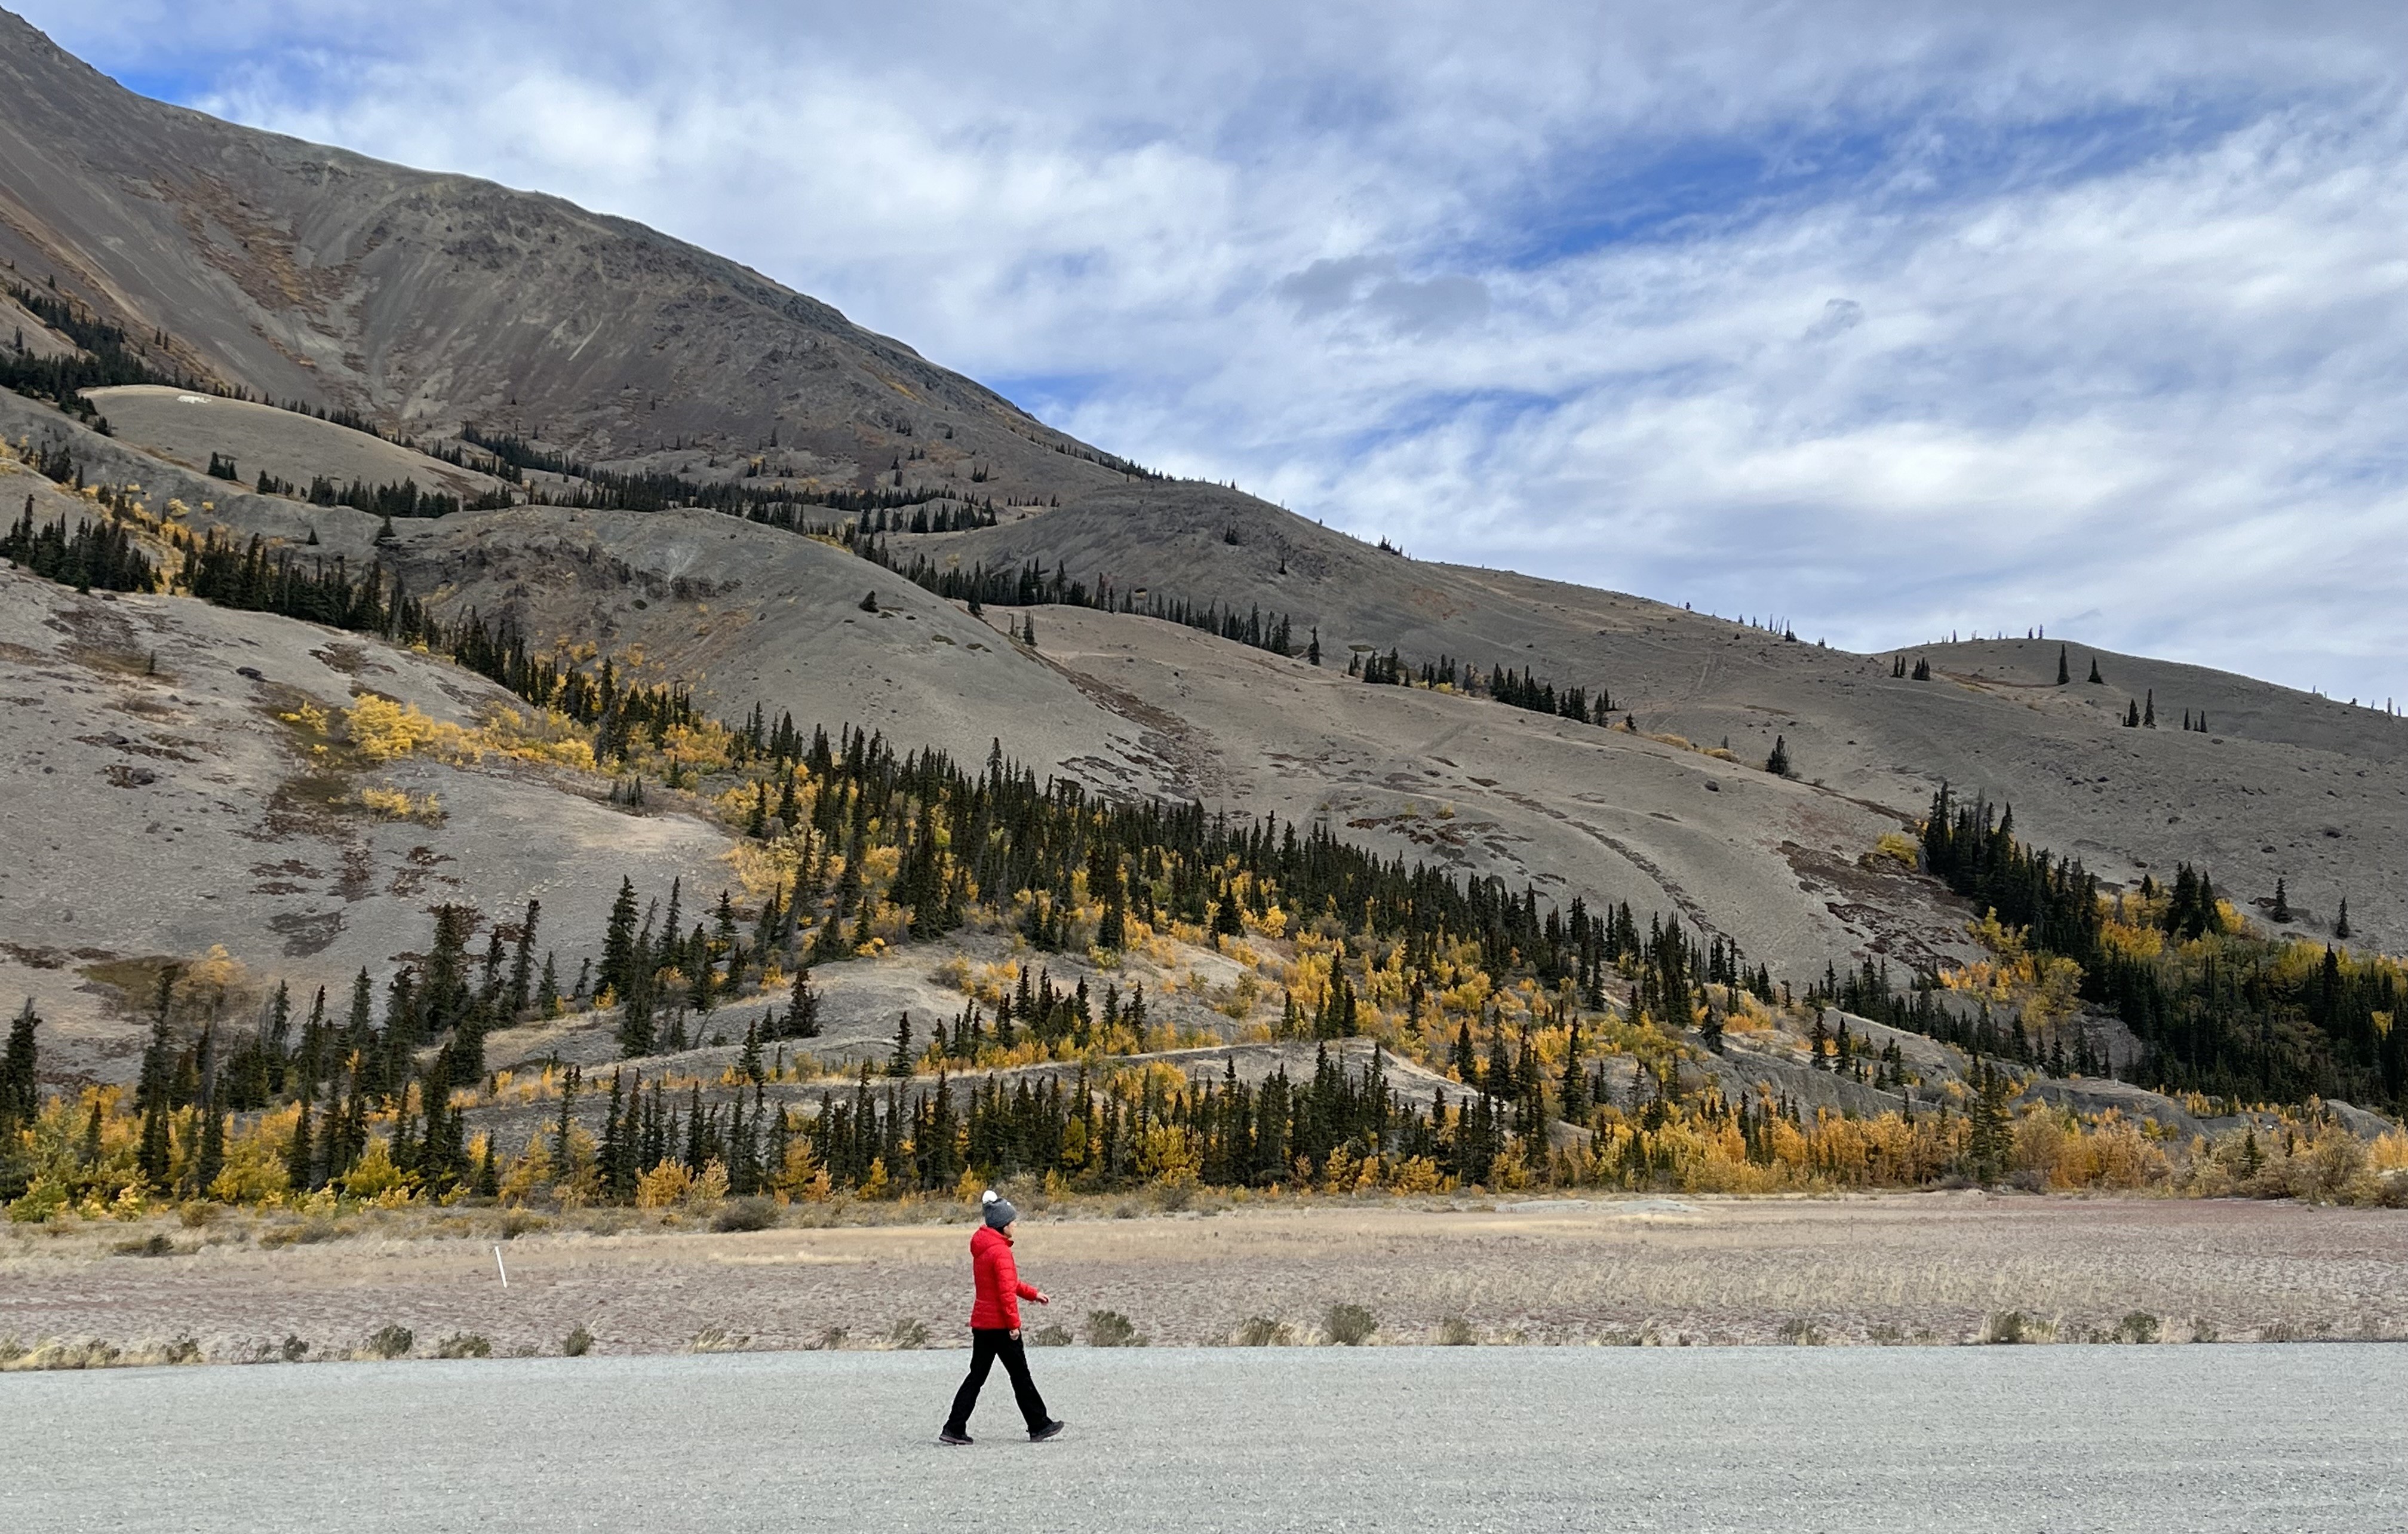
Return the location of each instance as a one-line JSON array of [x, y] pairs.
[[746, 1215], [391, 1342], [152, 1246], [1350, 1325], [1263, 1331], [1112, 1329], [2136, 1326], [907, 1333], [578, 1344], [1455, 1332], [2012, 1326], [293, 1349], [1800, 1332], [1051, 1335], [466, 1345]]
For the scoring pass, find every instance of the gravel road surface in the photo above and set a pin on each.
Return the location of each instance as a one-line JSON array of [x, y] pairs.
[[2058, 1439]]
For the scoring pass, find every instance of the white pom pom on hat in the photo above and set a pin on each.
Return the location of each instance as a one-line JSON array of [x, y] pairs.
[[988, 1196]]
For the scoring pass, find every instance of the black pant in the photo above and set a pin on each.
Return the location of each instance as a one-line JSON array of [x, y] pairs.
[[987, 1344]]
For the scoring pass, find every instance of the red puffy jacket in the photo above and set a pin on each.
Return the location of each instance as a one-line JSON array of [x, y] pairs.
[[999, 1289]]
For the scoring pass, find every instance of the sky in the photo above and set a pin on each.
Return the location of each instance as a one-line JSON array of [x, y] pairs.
[[1885, 321]]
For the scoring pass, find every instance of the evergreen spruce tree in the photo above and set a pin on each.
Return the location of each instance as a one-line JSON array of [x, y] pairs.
[[2340, 922], [2064, 673], [1572, 1089], [2282, 912], [562, 1143], [211, 1160], [619, 942], [300, 1154], [515, 999], [2096, 678], [1112, 932], [2149, 714], [748, 1064], [899, 1063], [802, 1020], [18, 1102], [1778, 762], [152, 1157]]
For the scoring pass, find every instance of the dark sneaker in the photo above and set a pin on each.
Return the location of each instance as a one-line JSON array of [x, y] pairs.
[[949, 1436], [1051, 1429]]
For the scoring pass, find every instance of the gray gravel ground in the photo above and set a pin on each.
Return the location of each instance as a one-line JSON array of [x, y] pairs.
[[2260, 1439]]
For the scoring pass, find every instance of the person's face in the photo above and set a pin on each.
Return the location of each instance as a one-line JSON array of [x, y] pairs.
[[1010, 1228]]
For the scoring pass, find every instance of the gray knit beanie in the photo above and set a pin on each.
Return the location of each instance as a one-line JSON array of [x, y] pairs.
[[999, 1212]]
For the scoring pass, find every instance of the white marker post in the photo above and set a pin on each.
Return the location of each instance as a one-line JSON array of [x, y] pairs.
[[499, 1268]]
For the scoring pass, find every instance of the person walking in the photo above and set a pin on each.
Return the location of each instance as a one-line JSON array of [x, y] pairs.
[[994, 1327]]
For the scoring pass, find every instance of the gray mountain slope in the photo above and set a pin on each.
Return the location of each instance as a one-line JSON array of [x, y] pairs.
[[427, 301], [302, 272], [2284, 784]]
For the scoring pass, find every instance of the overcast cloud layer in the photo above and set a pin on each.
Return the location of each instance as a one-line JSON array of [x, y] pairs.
[[2002, 317]]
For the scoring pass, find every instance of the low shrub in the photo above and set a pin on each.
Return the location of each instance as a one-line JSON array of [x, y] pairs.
[[390, 1341], [1051, 1335], [907, 1333], [746, 1215], [151, 1246], [2012, 1326], [293, 1349], [1112, 1329], [2136, 1326], [578, 1344], [1349, 1325], [1263, 1331], [1800, 1332], [1455, 1332], [466, 1345], [307, 1233]]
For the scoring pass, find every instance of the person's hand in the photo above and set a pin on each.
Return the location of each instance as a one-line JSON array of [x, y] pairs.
[[1043, 1299], [1015, 1334]]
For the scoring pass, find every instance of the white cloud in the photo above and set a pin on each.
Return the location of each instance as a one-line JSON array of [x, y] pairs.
[[1981, 317]]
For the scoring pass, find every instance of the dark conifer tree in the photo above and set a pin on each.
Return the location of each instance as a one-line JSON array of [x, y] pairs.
[[516, 998], [300, 1154], [18, 1102], [2064, 673], [210, 1161]]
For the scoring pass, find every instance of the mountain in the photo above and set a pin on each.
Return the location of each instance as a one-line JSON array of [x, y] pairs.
[[626, 392], [302, 273]]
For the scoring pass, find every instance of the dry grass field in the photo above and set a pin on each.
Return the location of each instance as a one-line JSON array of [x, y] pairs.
[[1938, 1268]]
